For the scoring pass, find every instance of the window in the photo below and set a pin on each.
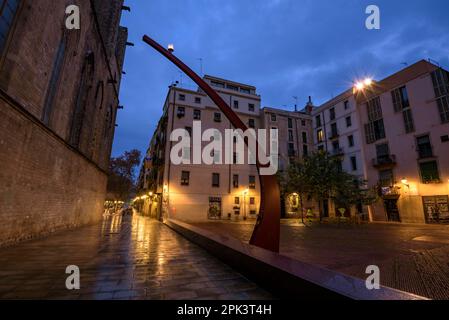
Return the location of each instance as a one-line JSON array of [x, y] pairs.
[[252, 182], [429, 172], [303, 123], [318, 121], [334, 130], [8, 10], [424, 147], [354, 163], [273, 117], [386, 178], [290, 123], [54, 80], [251, 107], [443, 108], [336, 146], [185, 178], [197, 100], [79, 114], [217, 84], [237, 200], [401, 103], [290, 135], [374, 109], [181, 112], [304, 137], [252, 201], [196, 114], [245, 90], [291, 150], [351, 141], [408, 120], [217, 117], [445, 138], [189, 131], [236, 104], [400, 99], [182, 97], [235, 181], [332, 114], [346, 103], [320, 136], [305, 150], [215, 180], [232, 87], [348, 122], [440, 80], [374, 130], [251, 123]]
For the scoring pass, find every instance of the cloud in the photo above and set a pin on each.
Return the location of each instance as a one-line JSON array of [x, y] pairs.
[[285, 48]]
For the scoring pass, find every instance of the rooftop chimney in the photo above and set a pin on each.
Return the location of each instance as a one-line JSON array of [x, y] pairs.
[[309, 106]]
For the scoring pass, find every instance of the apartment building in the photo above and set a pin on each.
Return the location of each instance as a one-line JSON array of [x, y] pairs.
[[198, 192], [406, 144], [336, 130], [393, 133], [295, 141]]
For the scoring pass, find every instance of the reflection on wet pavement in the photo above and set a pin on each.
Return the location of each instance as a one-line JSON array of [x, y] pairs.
[[122, 258]]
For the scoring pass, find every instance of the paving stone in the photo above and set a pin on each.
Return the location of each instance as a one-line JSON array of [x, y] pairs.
[[127, 258], [406, 261]]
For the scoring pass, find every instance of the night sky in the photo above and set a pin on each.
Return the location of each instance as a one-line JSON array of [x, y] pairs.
[[285, 48]]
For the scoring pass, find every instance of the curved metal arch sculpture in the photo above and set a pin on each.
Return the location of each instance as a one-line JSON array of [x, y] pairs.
[[266, 233]]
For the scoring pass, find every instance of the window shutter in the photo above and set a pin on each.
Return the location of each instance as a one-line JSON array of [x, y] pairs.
[[396, 100], [369, 133]]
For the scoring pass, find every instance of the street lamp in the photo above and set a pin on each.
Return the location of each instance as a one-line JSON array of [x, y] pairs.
[[362, 85], [171, 48], [404, 181]]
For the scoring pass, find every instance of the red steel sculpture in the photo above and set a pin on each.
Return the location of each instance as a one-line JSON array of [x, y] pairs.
[[267, 229]]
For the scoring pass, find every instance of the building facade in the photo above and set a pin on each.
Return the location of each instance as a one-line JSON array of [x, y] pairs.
[[58, 103], [198, 192], [392, 134], [337, 131], [406, 144], [295, 142]]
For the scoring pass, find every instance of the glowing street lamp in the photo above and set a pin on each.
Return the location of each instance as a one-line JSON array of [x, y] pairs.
[[171, 48], [362, 85], [404, 181]]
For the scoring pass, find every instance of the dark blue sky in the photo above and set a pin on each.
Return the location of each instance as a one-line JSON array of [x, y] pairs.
[[285, 48]]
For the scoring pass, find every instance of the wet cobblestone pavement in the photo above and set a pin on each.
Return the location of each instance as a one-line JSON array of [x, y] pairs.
[[122, 258], [412, 258]]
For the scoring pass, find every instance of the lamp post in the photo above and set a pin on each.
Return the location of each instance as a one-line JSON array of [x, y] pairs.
[[245, 193]]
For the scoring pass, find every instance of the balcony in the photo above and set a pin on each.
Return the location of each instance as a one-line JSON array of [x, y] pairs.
[[385, 162], [337, 152]]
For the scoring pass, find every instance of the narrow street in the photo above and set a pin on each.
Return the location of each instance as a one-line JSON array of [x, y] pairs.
[[122, 258]]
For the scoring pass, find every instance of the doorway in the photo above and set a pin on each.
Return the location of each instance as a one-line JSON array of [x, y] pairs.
[[391, 206], [214, 212]]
